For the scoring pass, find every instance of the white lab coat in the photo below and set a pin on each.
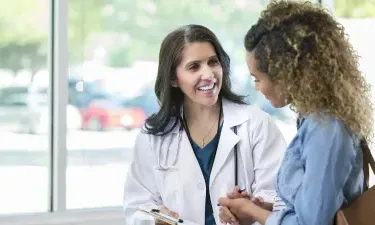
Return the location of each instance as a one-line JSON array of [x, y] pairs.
[[261, 147]]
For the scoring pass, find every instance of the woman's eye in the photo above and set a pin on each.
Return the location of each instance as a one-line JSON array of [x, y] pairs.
[[193, 67], [214, 61]]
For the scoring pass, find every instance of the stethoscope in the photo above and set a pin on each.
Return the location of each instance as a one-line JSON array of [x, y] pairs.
[[170, 167], [181, 129]]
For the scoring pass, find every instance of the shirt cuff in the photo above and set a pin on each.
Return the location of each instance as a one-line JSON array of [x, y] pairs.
[[279, 204], [274, 218], [267, 195]]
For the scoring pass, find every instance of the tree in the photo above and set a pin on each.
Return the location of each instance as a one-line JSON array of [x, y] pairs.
[[137, 27], [25, 26], [85, 20], [23, 45], [147, 22], [354, 8], [16, 56], [120, 57]]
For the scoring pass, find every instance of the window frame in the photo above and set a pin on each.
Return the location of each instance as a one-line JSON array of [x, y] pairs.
[[58, 67]]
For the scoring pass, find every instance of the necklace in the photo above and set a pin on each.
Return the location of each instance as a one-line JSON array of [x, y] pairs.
[[204, 138]]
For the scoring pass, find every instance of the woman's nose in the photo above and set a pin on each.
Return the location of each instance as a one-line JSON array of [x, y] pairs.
[[207, 73], [257, 87]]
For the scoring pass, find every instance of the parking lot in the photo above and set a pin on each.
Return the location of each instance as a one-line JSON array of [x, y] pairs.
[[97, 164], [97, 167]]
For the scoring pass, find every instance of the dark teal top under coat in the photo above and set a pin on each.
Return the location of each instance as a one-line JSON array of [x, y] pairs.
[[205, 159]]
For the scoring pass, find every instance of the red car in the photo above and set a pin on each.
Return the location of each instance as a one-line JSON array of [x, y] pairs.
[[104, 114]]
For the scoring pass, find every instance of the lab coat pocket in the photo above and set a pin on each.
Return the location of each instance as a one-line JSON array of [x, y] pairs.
[[168, 182]]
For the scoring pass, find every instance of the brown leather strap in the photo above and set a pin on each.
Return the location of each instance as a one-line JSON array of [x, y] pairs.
[[367, 160]]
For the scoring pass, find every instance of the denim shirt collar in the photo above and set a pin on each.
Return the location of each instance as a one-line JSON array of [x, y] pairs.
[[300, 120]]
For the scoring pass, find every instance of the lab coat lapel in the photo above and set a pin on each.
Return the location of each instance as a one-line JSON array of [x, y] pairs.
[[233, 115], [228, 140]]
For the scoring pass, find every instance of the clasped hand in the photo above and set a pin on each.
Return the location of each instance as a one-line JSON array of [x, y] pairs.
[[234, 207]]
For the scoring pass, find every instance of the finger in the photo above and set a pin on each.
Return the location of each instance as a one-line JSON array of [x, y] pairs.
[[267, 205], [230, 218], [234, 195], [174, 214], [236, 189], [225, 202], [258, 200], [169, 212], [245, 194], [223, 216], [226, 216], [164, 209], [251, 196]]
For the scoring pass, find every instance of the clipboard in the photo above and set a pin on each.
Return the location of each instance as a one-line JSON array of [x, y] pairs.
[[161, 216]]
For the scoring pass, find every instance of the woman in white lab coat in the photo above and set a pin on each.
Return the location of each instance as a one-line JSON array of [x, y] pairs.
[[204, 140]]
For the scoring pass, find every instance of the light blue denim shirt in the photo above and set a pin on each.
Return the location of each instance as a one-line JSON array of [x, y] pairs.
[[320, 172]]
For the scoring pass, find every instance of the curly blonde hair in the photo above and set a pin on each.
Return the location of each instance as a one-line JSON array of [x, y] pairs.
[[305, 50]]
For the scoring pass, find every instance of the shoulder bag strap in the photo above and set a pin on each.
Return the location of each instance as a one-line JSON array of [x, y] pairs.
[[367, 160]]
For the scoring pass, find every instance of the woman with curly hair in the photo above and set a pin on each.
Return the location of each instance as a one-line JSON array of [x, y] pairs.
[[300, 55]]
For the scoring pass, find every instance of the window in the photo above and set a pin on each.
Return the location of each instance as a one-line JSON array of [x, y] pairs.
[[24, 121], [113, 53], [113, 49]]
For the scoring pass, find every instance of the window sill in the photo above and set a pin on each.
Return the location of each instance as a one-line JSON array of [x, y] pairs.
[[112, 216]]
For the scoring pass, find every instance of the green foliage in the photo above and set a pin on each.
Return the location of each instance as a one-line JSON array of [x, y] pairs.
[[355, 8], [23, 28], [85, 19], [120, 57], [25, 24], [147, 22]]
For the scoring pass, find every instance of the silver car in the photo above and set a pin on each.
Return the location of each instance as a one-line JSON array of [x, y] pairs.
[[23, 109]]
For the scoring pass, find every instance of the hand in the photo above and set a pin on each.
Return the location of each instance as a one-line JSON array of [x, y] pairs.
[[168, 212], [239, 207], [236, 193], [259, 201], [225, 214], [227, 217]]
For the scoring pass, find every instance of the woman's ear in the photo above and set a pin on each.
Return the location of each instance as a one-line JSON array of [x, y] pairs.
[[174, 83]]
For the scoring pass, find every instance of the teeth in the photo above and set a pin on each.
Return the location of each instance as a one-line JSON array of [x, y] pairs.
[[206, 88]]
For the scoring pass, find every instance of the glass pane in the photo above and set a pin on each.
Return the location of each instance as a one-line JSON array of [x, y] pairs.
[[114, 46], [358, 18], [24, 114]]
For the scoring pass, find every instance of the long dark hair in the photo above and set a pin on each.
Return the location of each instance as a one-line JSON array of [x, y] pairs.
[[170, 56]]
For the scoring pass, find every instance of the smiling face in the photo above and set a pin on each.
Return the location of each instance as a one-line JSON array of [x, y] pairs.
[[199, 75], [264, 84]]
